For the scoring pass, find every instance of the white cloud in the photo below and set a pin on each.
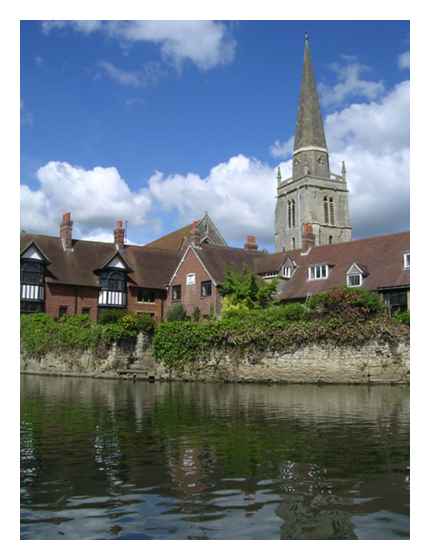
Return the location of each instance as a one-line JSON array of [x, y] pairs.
[[205, 43], [282, 149], [148, 75], [350, 84], [95, 197], [238, 194], [404, 60]]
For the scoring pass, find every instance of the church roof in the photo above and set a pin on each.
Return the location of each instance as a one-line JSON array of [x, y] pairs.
[[309, 125]]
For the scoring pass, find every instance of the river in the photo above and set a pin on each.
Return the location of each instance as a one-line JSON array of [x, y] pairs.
[[105, 459]]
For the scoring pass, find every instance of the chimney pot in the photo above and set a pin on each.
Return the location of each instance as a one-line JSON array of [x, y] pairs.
[[66, 230], [251, 243], [119, 234]]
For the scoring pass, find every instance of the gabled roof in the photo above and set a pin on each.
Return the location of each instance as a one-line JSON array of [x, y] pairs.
[[380, 257], [151, 268], [175, 240], [218, 260], [273, 263]]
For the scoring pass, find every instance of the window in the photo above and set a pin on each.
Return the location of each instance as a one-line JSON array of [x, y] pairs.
[[354, 280], [206, 288], [145, 296], [32, 273], [32, 306], [406, 260], [287, 271], [325, 210], [191, 279], [293, 242], [113, 280], [62, 310], [396, 301], [289, 213], [330, 240], [331, 211], [318, 272], [176, 292], [86, 310], [270, 275]]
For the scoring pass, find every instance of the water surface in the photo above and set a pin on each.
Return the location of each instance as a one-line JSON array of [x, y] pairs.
[[107, 459]]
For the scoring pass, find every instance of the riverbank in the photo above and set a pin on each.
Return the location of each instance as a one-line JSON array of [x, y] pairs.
[[339, 337], [374, 362]]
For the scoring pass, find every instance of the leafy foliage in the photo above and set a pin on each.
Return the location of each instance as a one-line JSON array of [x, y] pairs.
[[176, 313], [348, 303], [402, 317], [40, 333], [245, 290], [107, 316]]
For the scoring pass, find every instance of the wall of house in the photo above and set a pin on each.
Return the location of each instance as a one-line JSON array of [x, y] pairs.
[[191, 297], [76, 298], [155, 309]]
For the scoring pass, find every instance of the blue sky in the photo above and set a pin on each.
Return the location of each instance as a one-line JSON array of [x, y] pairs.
[[155, 122]]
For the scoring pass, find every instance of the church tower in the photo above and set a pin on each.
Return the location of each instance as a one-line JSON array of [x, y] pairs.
[[313, 195]]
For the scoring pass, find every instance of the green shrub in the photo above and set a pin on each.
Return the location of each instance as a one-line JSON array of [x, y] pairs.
[[176, 313], [402, 317], [349, 303], [107, 316], [133, 323], [196, 315], [246, 289]]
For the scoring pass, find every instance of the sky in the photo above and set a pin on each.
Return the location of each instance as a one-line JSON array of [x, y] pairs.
[[157, 122]]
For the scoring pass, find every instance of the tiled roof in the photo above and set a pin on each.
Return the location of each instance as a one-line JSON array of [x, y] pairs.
[[151, 268], [172, 241], [219, 259], [381, 257]]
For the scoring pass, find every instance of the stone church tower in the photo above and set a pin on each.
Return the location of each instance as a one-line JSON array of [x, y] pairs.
[[313, 195]]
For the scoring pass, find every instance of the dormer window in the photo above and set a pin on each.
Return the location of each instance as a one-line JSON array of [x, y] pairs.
[[270, 275], [113, 291], [406, 261], [318, 272], [354, 276]]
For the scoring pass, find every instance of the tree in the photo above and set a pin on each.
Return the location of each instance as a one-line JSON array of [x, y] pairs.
[[245, 290]]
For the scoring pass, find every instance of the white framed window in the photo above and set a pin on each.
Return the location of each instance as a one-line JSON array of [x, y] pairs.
[[191, 279], [406, 260], [318, 272], [354, 280], [270, 275]]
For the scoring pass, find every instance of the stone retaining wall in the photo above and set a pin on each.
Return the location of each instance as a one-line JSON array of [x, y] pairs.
[[373, 362]]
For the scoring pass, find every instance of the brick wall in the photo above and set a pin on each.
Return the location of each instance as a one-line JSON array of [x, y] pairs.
[[191, 297], [75, 298], [156, 308]]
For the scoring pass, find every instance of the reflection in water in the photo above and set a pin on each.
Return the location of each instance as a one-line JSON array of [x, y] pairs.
[[113, 459]]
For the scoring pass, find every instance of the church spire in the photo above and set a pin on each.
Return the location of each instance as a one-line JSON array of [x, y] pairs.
[[309, 126]]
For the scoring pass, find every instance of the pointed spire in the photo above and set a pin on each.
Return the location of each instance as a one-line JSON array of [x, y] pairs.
[[279, 176], [343, 170], [309, 126]]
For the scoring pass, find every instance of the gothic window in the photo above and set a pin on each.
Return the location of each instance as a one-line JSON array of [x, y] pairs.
[[331, 212], [293, 213], [325, 210], [289, 214], [293, 241], [330, 240]]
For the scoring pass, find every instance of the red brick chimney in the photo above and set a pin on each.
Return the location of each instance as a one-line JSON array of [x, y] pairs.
[[119, 234], [195, 234], [308, 240], [251, 243], [66, 228]]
